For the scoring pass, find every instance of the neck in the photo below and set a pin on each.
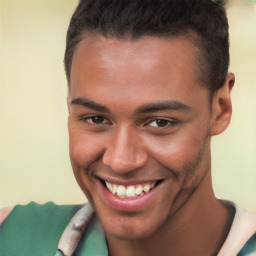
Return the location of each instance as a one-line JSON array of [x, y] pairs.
[[199, 227]]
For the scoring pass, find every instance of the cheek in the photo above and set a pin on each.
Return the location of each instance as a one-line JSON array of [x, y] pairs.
[[83, 152], [84, 149], [177, 152]]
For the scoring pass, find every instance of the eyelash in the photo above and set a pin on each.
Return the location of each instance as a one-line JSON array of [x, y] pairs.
[[169, 122], [86, 119]]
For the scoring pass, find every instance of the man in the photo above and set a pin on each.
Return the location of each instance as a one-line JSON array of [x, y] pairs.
[[148, 86]]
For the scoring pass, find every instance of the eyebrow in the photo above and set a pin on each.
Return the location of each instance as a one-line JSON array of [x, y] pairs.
[[163, 105], [143, 109], [90, 104]]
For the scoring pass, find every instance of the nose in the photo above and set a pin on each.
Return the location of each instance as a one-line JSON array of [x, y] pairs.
[[124, 152]]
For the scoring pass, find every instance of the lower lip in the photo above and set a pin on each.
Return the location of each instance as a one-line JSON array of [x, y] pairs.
[[129, 204]]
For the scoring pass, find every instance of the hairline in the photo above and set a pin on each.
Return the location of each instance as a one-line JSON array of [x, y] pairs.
[[188, 34]]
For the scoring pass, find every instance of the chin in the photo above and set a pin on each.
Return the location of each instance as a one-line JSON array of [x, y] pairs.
[[131, 227], [131, 234]]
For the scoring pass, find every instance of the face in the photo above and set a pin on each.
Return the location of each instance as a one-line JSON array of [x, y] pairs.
[[139, 130]]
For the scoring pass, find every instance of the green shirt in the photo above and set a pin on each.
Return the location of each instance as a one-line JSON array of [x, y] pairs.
[[35, 230]]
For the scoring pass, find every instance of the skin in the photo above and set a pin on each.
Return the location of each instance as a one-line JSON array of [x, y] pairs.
[[117, 140]]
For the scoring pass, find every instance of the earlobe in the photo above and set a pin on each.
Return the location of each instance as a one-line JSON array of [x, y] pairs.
[[222, 107]]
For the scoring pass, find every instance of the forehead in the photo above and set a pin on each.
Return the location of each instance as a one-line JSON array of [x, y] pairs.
[[148, 47], [145, 66]]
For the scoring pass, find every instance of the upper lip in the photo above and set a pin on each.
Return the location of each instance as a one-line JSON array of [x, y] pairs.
[[128, 182]]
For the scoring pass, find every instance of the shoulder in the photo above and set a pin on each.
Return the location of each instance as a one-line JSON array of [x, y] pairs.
[[34, 226], [241, 239], [36, 213], [4, 213]]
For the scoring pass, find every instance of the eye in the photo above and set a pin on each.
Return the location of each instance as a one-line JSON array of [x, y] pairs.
[[97, 120], [162, 123]]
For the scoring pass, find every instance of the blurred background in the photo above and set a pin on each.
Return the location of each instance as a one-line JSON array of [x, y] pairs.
[[34, 158]]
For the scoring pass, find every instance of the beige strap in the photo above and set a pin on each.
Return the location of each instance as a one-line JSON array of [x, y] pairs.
[[74, 230], [242, 229]]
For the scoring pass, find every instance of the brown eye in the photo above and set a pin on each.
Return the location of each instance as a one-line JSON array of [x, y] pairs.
[[96, 120], [162, 123]]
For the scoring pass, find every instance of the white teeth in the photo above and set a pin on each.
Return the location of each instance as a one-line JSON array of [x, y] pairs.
[[109, 186], [121, 191], [138, 190], [153, 185], [114, 189], [130, 191], [146, 188]]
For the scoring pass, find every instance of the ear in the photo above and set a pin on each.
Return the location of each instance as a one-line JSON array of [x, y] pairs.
[[222, 107]]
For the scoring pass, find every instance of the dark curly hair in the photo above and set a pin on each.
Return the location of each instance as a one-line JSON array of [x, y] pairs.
[[201, 21]]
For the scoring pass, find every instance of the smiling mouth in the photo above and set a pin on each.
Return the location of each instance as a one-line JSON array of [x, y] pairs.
[[131, 190]]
